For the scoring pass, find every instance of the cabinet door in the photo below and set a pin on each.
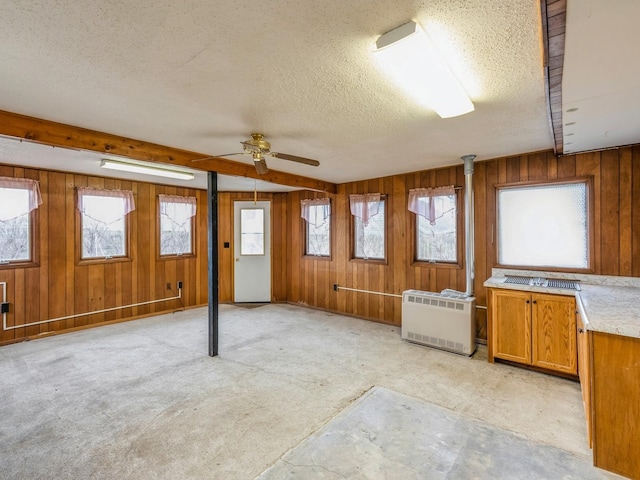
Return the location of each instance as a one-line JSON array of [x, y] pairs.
[[554, 332], [584, 371], [511, 325], [615, 376]]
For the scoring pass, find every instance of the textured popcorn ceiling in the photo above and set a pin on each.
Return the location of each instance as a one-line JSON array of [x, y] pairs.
[[202, 75]]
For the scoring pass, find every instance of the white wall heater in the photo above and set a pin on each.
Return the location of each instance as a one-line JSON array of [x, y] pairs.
[[439, 320]]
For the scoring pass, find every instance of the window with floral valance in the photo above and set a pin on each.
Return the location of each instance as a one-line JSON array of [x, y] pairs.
[[436, 223], [18, 198], [103, 222], [317, 215], [369, 223], [176, 224]]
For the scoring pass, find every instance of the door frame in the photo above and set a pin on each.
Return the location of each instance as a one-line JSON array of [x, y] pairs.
[[233, 244]]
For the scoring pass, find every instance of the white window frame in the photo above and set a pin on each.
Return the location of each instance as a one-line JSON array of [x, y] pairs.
[[261, 234]]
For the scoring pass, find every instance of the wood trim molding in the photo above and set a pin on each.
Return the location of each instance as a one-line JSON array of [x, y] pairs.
[[554, 20], [67, 136]]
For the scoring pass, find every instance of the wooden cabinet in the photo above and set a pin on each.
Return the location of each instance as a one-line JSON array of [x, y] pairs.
[[584, 371], [615, 404], [534, 329], [510, 313], [554, 332]]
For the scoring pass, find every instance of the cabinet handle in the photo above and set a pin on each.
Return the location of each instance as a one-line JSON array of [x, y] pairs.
[[534, 301], [581, 330], [527, 301]]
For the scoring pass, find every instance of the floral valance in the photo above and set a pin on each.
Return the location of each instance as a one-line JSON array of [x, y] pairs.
[[364, 206], [16, 209], [126, 196], [424, 202], [176, 206], [316, 211]]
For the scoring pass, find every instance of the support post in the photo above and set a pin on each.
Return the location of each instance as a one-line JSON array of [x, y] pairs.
[[212, 236], [469, 225]]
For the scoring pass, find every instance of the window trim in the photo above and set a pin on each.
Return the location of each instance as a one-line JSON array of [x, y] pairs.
[[588, 181], [175, 256], [127, 257], [460, 239], [352, 233], [304, 231]]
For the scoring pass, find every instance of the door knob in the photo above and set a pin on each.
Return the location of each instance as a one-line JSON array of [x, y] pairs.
[[237, 259]]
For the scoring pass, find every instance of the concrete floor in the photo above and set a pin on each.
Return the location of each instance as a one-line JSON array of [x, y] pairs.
[[142, 399], [385, 434]]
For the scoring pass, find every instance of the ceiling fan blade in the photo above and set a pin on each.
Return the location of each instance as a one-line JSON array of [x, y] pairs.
[[293, 158], [261, 166], [217, 156]]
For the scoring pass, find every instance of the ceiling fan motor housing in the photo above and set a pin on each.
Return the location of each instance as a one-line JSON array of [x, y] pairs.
[[257, 144]]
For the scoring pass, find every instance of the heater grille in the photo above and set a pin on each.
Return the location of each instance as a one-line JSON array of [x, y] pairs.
[[544, 282], [557, 283], [439, 321]]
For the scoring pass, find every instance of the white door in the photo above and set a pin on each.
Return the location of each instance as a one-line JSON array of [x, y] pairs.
[[252, 252]]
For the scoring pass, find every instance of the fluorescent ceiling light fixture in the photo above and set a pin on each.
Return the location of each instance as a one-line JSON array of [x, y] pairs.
[[412, 59], [146, 170]]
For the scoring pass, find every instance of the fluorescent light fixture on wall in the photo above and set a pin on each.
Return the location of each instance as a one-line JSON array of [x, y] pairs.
[[146, 170], [409, 55]]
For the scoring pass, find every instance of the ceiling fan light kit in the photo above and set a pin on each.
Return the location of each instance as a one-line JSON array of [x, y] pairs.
[[411, 58]]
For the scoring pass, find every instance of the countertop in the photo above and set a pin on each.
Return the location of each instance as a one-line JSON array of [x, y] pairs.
[[607, 304]]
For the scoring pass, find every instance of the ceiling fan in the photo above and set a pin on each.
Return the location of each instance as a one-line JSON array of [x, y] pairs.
[[258, 148]]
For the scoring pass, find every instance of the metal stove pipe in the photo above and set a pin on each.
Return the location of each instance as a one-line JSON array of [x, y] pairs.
[[468, 222]]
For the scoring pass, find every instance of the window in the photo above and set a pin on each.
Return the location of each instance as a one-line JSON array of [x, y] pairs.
[[368, 226], [436, 224], [251, 231], [543, 225], [103, 222], [318, 239], [176, 224], [18, 197], [317, 215]]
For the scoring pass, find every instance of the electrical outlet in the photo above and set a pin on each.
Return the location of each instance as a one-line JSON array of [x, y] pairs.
[[168, 285], [179, 283]]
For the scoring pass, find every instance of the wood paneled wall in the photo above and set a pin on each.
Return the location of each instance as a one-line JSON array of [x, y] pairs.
[[59, 286], [616, 244]]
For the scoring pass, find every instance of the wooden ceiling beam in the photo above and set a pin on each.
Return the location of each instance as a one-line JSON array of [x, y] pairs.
[[554, 21], [60, 135]]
